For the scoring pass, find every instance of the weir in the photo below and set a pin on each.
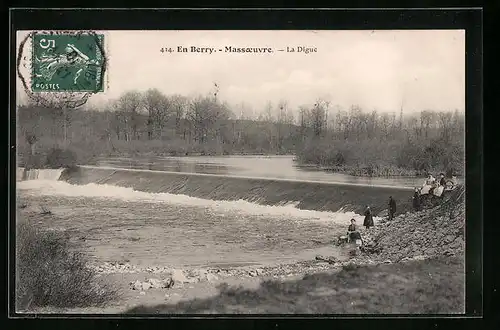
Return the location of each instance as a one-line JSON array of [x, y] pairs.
[[38, 174], [309, 195]]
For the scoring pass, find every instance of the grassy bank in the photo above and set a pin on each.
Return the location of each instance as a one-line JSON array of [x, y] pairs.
[[50, 273], [376, 158], [418, 287]]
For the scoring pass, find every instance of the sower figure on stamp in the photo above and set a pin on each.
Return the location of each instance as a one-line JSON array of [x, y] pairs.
[[73, 57], [80, 59]]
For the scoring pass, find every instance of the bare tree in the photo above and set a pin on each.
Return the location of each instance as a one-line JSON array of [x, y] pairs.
[[159, 109], [371, 125], [130, 104], [425, 122], [385, 122], [445, 123], [458, 123], [413, 127], [318, 117], [204, 113], [179, 105]]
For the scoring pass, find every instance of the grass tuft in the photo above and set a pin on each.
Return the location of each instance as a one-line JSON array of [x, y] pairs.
[[48, 273]]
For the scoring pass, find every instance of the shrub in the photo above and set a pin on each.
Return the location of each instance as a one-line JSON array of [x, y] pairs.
[[57, 158], [48, 273], [34, 161]]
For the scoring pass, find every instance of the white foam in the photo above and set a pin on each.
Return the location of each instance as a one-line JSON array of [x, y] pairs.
[[19, 173], [45, 174], [92, 190]]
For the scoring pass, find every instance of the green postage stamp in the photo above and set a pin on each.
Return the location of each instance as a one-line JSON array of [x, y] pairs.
[[67, 63]]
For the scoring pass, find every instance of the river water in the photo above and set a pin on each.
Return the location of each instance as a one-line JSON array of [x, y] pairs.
[[279, 167], [118, 223]]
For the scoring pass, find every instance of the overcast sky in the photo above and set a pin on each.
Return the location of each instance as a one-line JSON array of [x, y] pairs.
[[374, 69]]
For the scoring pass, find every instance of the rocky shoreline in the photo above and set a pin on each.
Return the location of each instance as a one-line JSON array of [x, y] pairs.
[[167, 277]]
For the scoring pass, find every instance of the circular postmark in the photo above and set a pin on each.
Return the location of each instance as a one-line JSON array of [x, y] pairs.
[[62, 69]]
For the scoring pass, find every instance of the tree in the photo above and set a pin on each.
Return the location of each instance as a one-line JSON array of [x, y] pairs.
[[425, 122], [130, 104], [385, 122], [371, 125], [282, 119], [445, 123], [268, 118], [204, 113], [159, 109], [318, 117], [118, 120]]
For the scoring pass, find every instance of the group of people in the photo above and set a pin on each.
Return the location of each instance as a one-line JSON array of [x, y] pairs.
[[431, 186], [352, 232], [431, 181]]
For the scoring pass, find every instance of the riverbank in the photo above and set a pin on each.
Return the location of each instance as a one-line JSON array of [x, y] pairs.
[[432, 286], [372, 171]]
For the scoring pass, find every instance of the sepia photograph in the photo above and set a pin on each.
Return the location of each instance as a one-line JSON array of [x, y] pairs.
[[164, 172]]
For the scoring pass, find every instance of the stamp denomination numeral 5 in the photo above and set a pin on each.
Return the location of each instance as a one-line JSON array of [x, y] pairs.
[[44, 43]]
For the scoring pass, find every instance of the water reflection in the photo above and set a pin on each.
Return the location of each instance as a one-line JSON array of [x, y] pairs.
[[279, 167]]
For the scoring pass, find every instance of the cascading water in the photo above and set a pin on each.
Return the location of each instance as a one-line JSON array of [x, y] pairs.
[[308, 195], [19, 173], [41, 174]]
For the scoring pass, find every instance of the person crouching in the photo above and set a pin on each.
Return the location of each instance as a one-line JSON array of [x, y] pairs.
[[352, 233]]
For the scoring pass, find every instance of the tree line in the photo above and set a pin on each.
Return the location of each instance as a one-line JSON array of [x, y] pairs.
[[152, 122]]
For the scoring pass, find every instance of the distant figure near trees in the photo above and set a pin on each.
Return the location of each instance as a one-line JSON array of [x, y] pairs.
[[368, 218], [392, 208]]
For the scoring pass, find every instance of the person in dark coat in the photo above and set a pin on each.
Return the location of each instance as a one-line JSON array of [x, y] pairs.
[[368, 218], [416, 200], [392, 208]]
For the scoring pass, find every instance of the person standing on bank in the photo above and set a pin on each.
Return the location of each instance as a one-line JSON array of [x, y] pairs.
[[392, 208], [416, 200], [368, 218]]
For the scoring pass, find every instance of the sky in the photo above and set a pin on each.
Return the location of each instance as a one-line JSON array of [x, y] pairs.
[[381, 70]]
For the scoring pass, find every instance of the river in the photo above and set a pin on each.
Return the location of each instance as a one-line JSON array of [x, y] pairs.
[[150, 217], [279, 167]]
